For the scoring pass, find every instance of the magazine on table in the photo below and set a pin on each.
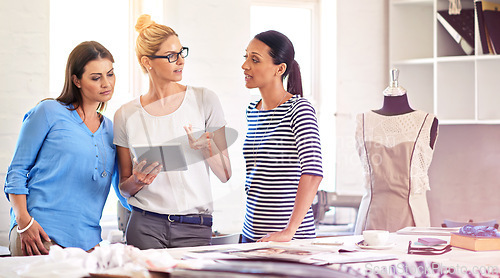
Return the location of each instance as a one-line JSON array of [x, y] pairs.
[[431, 231], [302, 254]]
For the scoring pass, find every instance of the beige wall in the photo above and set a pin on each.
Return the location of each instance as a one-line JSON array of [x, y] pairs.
[[464, 175]]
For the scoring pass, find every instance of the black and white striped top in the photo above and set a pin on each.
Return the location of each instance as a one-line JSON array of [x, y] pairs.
[[281, 145]]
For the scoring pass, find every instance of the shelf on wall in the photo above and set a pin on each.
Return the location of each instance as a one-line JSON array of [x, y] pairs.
[[413, 2], [456, 58], [421, 61], [488, 57], [442, 79], [469, 122]]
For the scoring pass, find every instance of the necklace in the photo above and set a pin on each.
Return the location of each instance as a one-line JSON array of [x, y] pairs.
[[104, 173], [255, 148]]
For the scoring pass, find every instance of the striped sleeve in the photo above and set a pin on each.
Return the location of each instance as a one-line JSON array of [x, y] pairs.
[[305, 129]]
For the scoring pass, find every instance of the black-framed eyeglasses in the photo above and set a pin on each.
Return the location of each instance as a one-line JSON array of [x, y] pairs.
[[428, 250], [173, 57]]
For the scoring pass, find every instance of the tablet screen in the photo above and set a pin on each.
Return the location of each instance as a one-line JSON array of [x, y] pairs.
[[170, 156]]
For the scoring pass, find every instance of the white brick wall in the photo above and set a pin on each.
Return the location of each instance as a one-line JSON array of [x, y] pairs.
[[24, 77]]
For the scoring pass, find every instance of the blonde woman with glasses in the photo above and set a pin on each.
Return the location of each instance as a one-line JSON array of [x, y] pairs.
[[169, 208]]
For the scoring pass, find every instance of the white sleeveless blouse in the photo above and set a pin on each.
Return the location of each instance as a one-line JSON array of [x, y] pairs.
[[395, 153]]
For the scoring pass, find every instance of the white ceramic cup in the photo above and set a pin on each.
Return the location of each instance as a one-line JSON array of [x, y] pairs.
[[376, 237]]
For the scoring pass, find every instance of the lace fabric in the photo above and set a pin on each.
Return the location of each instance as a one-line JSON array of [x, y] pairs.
[[389, 131]]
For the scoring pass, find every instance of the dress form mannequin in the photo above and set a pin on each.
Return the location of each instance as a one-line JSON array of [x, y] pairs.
[[395, 144], [396, 103]]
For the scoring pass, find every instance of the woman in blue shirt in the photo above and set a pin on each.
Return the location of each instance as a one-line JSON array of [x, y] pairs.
[[64, 160]]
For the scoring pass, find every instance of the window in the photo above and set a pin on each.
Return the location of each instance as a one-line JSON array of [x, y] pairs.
[[296, 21], [103, 21], [106, 22], [315, 52]]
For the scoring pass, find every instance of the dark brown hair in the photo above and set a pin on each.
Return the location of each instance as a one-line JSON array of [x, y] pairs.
[[81, 55], [282, 51]]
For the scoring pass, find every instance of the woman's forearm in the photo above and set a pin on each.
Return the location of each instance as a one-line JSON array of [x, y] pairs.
[[18, 203], [218, 161], [306, 191], [217, 156], [129, 186]]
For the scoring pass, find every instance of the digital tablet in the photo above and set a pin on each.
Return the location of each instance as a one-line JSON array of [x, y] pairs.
[[169, 155]]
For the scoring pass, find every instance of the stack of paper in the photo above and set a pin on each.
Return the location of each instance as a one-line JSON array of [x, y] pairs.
[[431, 231]]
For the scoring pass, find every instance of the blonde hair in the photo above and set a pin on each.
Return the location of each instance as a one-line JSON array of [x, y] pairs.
[[151, 36]]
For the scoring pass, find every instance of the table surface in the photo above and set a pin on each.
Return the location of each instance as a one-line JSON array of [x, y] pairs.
[[456, 257], [460, 259]]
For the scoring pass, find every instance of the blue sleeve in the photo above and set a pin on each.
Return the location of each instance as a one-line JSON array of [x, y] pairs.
[[306, 133], [33, 132], [115, 182]]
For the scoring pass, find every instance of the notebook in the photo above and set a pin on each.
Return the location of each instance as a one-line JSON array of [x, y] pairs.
[[460, 27]]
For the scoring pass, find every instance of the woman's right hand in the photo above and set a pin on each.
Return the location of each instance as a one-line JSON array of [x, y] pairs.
[[145, 175], [134, 175], [31, 240]]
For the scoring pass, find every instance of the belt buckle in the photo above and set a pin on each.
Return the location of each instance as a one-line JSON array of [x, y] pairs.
[[201, 219], [168, 218]]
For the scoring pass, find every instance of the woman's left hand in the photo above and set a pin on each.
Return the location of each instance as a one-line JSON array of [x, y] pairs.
[[203, 143], [281, 236]]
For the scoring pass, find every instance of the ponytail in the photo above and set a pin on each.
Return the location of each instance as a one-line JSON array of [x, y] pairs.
[[294, 85]]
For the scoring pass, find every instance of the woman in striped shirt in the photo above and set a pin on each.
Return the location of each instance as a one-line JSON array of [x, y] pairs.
[[282, 147]]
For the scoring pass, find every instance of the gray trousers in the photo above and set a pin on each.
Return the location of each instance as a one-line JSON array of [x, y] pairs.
[[146, 231]]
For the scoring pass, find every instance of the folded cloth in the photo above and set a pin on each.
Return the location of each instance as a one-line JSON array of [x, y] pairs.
[[108, 260], [200, 219], [483, 231]]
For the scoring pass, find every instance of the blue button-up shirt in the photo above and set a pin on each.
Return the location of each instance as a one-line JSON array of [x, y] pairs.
[[65, 171]]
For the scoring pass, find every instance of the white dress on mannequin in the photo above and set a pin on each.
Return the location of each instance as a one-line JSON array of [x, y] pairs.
[[396, 153]]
